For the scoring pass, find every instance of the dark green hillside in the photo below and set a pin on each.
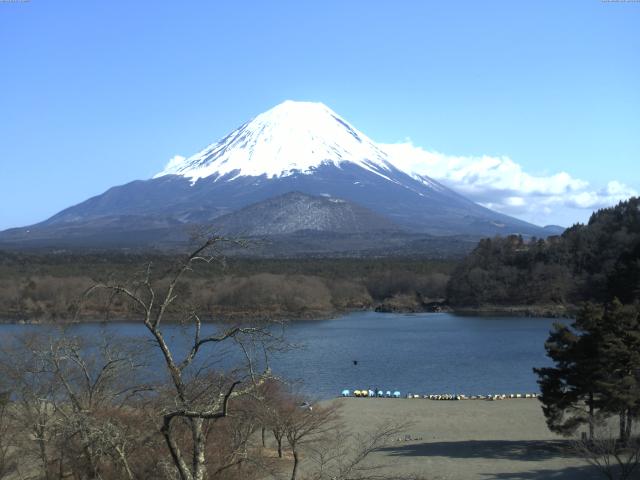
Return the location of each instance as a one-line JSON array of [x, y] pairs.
[[597, 261]]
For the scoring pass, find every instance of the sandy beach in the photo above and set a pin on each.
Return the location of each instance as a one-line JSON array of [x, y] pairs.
[[468, 440]]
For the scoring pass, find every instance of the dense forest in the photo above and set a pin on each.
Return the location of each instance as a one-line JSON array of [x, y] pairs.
[[596, 262], [48, 286]]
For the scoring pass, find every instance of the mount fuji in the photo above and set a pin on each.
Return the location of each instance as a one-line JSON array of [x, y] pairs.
[[301, 147]]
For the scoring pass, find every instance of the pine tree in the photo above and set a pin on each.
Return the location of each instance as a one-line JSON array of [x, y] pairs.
[[596, 372], [619, 386], [569, 389]]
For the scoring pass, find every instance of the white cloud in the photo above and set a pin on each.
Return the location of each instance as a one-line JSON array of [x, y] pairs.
[[501, 184], [172, 164]]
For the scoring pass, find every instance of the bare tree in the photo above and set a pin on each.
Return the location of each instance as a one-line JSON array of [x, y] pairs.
[[231, 444], [613, 458], [31, 405], [343, 455], [267, 407], [67, 397], [194, 404], [7, 447], [93, 381], [304, 424]]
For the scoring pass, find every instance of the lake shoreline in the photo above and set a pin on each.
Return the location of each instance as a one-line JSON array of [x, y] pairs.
[[531, 311]]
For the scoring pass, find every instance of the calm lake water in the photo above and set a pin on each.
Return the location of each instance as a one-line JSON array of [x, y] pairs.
[[417, 353]]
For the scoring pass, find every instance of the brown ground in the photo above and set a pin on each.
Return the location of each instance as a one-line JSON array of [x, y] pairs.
[[469, 439]]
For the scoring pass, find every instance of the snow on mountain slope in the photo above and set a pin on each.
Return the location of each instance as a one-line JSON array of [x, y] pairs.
[[294, 147], [292, 137], [296, 211]]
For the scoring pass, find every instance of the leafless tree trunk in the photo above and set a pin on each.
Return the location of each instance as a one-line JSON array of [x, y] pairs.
[[278, 435], [7, 447], [193, 407], [343, 455], [296, 463], [63, 389], [33, 414], [304, 424]]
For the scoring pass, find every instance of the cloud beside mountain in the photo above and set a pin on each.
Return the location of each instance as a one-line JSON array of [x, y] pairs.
[[503, 185]]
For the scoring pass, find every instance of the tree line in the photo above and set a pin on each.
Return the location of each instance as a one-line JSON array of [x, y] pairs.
[[595, 262], [47, 287]]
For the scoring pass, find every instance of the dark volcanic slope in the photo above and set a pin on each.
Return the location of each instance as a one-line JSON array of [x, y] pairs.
[[171, 199], [296, 211]]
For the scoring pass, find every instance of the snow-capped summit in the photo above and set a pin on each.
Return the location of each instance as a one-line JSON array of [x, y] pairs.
[[292, 137], [246, 180]]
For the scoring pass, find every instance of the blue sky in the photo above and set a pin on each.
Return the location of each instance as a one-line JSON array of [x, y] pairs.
[[532, 108]]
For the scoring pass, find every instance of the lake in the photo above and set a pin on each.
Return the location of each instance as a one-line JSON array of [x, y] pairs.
[[417, 353]]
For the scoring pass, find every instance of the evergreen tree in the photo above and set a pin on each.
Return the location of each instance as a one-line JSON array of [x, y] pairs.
[[619, 386], [596, 372], [594, 262], [569, 388]]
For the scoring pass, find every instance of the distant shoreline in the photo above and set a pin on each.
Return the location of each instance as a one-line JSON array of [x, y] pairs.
[[531, 311], [542, 311]]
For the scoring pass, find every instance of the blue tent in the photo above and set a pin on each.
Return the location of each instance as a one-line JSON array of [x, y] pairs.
[[396, 394], [345, 393]]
